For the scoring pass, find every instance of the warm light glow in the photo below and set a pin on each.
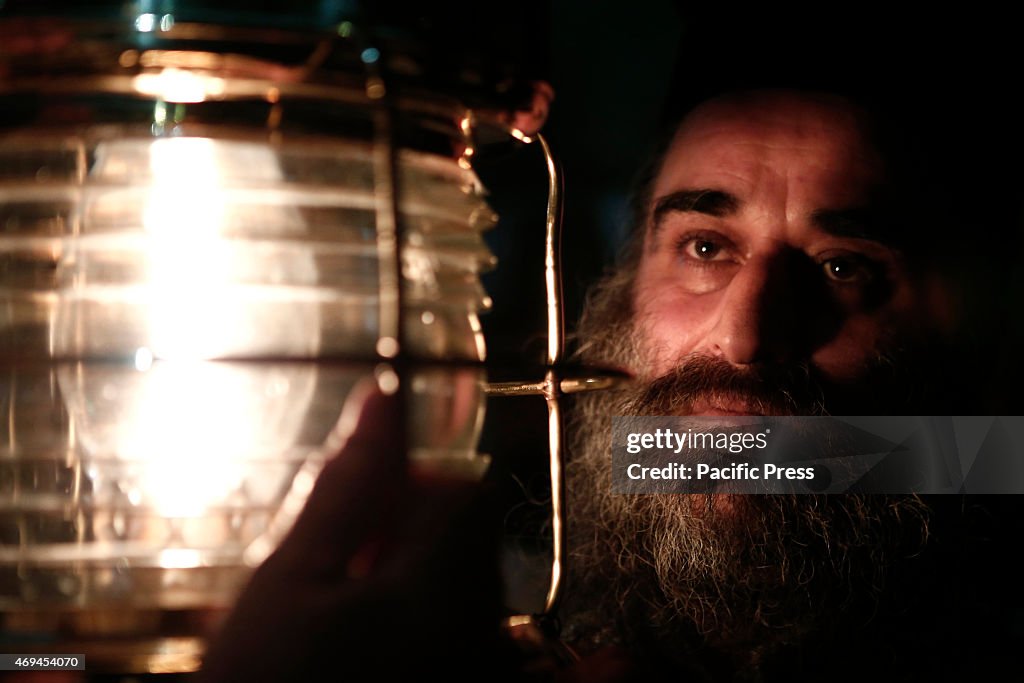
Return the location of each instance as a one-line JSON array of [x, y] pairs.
[[196, 425], [520, 135], [190, 265], [143, 359], [200, 303], [196, 289], [178, 85], [179, 558]]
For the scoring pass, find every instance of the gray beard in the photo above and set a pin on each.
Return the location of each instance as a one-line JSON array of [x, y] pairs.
[[741, 575]]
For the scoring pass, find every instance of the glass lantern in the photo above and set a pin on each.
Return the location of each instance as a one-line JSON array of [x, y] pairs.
[[209, 235]]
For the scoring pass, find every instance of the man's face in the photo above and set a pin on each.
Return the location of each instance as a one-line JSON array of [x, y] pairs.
[[766, 283], [765, 247]]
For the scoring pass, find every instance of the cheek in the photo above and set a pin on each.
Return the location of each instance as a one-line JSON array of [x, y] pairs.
[[854, 350], [670, 323]]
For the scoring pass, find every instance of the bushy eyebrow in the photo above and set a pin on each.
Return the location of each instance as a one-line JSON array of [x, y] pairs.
[[706, 201], [861, 224], [855, 223]]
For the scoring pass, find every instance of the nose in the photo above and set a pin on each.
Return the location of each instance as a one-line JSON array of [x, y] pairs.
[[761, 313]]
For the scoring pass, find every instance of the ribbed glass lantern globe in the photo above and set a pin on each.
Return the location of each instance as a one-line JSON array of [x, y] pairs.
[[208, 236]]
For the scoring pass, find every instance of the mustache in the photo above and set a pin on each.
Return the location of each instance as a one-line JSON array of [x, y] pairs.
[[757, 389]]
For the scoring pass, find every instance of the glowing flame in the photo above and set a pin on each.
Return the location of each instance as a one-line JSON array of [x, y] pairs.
[[179, 86], [196, 426]]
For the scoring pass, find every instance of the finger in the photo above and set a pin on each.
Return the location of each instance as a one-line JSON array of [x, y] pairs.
[[297, 597], [444, 553], [446, 519], [436, 588], [354, 491]]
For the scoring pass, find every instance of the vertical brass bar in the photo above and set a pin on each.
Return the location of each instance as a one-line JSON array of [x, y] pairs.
[[386, 205], [552, 385], [556, 466], [389, 262], [552, 257]]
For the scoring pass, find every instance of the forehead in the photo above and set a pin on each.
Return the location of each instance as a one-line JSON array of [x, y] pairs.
[[809, 152]]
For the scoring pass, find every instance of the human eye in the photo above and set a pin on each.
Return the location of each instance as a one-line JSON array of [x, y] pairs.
[[705, 249], [848, 268], [703, 261]]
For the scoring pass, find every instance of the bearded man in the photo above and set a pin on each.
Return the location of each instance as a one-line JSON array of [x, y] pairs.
[[782, 264]]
